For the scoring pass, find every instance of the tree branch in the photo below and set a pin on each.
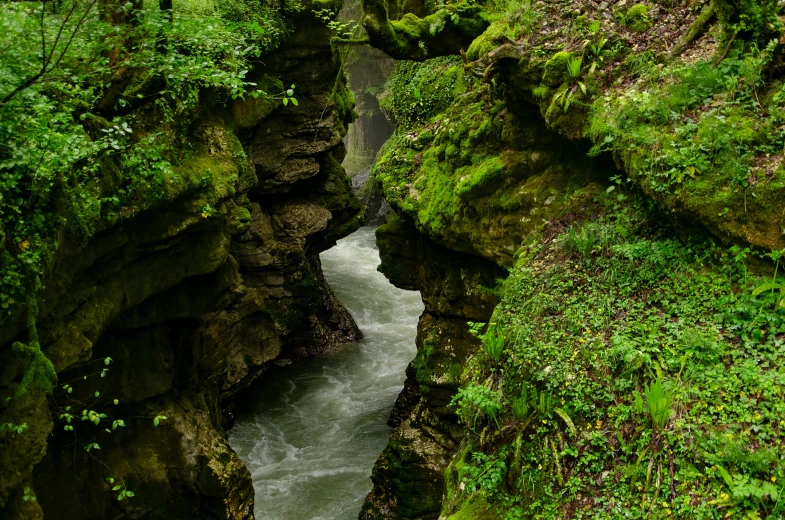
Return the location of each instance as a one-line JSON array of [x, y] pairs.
[[46, 60]]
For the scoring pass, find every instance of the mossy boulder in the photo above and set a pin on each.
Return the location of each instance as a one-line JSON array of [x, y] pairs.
[[488, 40], [555, 71], [411, 37], [249, 112], [637, 18]]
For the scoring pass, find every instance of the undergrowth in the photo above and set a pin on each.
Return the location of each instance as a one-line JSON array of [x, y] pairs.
[[664, 357]]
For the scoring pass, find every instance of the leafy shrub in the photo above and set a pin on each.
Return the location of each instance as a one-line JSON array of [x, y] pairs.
[[475, 400]]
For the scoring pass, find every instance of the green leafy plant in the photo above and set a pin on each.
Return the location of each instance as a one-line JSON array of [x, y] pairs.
[[596, 45], [475, 400], [565, 96], [493, 343], [574, 65], [580, 241], [659, 402], [520, 405]]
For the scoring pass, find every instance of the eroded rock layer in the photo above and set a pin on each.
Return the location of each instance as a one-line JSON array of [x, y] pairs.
[[191, 300]]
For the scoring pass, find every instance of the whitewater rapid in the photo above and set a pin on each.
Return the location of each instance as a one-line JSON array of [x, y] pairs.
[[316, 428]]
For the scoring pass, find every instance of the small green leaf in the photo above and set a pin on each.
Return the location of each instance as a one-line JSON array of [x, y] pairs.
[[725, 476], [768, 286]]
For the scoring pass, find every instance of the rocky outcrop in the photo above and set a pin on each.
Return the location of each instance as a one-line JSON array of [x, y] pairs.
[[174, 311], [529, 138], [409, 475]]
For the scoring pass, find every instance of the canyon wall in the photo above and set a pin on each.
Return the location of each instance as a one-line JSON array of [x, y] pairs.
[[186, 304], [587, 191]]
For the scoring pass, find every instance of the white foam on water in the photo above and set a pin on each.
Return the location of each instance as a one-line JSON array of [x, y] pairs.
[[316, 428]]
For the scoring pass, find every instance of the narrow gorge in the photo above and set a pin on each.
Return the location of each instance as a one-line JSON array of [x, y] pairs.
[[454, 260]]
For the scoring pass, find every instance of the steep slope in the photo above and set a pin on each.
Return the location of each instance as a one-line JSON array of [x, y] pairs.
[[623, 163]]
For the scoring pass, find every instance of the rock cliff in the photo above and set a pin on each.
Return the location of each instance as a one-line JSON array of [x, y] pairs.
[[589, 154], [185, 304]]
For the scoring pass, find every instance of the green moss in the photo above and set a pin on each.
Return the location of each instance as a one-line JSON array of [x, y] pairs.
[[413, 37], [569, 123], [479, 175], [247, 113], [582, 335], [555, 71], [637, 18], [487, 41], [752, 19], [240, 220], [418, 91]]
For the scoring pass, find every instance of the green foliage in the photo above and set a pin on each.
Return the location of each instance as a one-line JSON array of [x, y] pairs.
[[419, 91], [475, 400], [556, 69], [574, 65], [592, 341], [755, 20], [57, 73], [493, 343], [699, 120], [28, 495], [659, 399], [19, 429], [580, 242], [596, 45], [475, 327], [486, 473], [520, 405]]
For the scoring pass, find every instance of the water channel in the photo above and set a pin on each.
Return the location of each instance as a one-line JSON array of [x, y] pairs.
[[317, 427]]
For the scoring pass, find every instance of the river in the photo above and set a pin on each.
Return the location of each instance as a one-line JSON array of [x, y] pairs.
[[316, 428]]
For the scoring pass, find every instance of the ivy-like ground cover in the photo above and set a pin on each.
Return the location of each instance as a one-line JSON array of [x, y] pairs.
[[662, 366]]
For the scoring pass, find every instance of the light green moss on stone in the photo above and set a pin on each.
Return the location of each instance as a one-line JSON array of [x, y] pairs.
[[555, 71], [486, 42], [637, 18]]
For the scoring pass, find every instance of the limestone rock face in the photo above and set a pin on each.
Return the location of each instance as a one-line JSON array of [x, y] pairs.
[[186, 304], [409, 476]]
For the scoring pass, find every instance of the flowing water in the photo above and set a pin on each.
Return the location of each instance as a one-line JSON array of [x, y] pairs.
[[317, 427]]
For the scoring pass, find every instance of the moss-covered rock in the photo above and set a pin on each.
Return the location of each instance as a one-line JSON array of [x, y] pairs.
[[555, 71], [438, 32], [408, 477], [488, 40], [183, 293], [637, 18]]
